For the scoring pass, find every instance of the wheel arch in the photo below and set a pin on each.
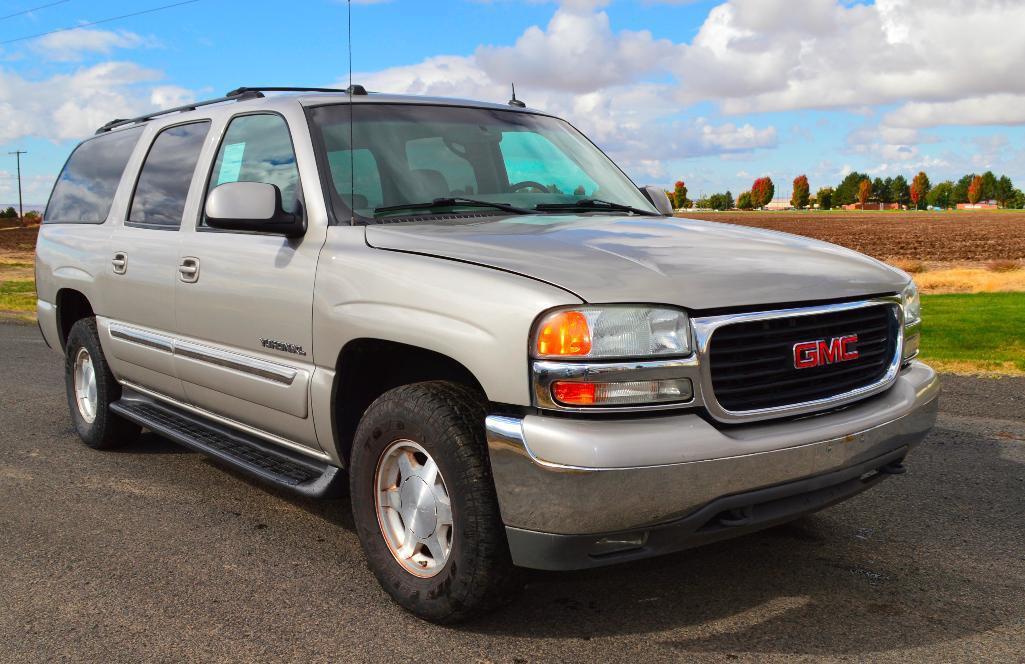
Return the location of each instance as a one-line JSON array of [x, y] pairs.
[[72, 306], [368, 367]]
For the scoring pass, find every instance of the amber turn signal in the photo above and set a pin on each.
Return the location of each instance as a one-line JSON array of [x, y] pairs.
[[564, 333]]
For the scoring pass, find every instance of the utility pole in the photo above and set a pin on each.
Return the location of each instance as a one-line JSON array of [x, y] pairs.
[[17, 155]]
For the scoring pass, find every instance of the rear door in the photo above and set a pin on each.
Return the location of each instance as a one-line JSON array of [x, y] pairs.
[[143, 258], [244, 300]]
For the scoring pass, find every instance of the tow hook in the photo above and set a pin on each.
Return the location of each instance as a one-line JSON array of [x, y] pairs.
[[738, 516]]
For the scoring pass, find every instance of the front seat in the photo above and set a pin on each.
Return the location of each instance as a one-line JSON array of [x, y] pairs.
[[429, 184]]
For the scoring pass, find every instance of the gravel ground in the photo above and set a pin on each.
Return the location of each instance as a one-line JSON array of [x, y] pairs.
[[153, 553]]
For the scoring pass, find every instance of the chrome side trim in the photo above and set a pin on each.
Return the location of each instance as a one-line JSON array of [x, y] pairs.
[[546, 372], [142, 337], [705, 327], [220, 419], [208, 354], [243, 363]]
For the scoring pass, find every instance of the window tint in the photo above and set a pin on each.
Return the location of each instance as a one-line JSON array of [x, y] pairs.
[[258, 148], [85, 189], [163, 185], [433, 155]]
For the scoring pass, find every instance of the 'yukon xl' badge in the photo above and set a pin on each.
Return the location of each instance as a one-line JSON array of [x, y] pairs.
[[282, 346]]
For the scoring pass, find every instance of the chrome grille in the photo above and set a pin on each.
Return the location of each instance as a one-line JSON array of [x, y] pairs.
[[751, 363]]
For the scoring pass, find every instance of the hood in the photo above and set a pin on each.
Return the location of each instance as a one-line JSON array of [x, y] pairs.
[[684, 262]]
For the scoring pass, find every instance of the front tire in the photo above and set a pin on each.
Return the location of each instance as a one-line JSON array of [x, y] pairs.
[[91, 388], [424, 503]]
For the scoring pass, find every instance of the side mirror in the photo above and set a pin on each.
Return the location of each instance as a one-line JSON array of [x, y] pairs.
[[658, 198], [251, 206]]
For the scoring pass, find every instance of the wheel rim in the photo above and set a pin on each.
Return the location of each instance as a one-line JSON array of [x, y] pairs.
[[414, 509], [85, 385]]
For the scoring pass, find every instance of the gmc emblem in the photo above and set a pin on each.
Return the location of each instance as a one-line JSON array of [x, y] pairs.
[[808, 354]]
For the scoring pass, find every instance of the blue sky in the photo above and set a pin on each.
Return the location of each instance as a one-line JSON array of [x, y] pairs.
[[716, 93]]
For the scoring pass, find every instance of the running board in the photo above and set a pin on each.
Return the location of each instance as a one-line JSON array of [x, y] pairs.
[[258, 458]]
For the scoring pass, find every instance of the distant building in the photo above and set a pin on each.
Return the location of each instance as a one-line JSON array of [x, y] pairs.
[[981, 205], [872, 205], [779, 204]]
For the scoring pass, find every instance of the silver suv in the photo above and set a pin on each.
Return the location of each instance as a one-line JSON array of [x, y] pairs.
[[469, 318]]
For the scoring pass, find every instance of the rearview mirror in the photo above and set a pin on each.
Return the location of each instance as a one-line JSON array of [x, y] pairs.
[[658, 198], [251, 206]]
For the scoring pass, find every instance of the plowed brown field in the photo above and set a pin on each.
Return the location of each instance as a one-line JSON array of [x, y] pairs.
[[965, 236]]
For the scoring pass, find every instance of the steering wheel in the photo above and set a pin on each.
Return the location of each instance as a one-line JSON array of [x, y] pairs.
[[529, 184]]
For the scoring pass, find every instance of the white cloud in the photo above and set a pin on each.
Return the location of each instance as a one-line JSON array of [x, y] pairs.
[[994, 109], [72, 106], [73, 45]]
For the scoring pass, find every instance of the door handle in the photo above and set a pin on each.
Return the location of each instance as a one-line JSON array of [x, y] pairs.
[[120, 262], [189, 270]]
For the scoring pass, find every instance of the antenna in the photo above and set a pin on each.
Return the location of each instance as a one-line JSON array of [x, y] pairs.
[[514, 101], [352, 145]]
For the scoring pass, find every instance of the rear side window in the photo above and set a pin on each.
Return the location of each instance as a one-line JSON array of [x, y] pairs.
[[163, 185], [85, 189], [258, 148]]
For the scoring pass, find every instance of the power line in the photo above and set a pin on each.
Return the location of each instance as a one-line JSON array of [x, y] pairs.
[[26, 11], [105, 20], [17, 155]]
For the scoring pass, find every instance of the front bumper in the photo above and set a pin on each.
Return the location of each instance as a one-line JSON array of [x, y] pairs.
[[579, 493]]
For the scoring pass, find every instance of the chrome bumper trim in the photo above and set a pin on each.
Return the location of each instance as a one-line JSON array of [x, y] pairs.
[[545, 483]]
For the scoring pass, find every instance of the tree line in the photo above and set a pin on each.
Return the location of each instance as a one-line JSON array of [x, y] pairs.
[[862, 189]]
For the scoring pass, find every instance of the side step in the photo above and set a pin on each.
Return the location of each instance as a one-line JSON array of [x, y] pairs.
[[276, 465]]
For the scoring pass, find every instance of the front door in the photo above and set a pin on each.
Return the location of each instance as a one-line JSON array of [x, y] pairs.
[[244, 301]]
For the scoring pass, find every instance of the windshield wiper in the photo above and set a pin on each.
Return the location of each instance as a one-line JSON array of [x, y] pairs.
[[593, 204], [452, 202]]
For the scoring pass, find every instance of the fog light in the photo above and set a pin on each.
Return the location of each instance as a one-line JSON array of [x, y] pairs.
[[631, 393]]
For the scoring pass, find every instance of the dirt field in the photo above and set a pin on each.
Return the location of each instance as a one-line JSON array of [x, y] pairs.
[[17, 240], [967, 236]]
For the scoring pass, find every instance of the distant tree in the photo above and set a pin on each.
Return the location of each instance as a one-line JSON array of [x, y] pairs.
[[680, 194], [762, 192], [900, 193], [942, 195], [989, 186], [825, 198], [919, 190], [961, 188], [703, 204], [744, 201], [975, 190], [878, 187], [32, 217], [721, 201], [886, 195], [1005, 190], [1017, 200], [864, 191], [9, 213], [801, 193], [847, 191]]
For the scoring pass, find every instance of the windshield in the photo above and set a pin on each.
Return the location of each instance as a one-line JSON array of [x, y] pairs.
[[407, 154]]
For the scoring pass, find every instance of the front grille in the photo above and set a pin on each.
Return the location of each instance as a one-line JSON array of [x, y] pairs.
[[752, 363]]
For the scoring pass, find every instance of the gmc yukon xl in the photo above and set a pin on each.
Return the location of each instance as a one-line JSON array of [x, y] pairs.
[[465, 315]]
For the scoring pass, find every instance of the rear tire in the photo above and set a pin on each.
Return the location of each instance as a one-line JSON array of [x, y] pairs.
[[91, 388], [424, 503]]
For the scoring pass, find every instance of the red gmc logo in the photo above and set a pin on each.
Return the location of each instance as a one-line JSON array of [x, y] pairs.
[[808, 354]]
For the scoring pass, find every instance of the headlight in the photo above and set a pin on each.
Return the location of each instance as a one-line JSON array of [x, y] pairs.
[[612, 332], [912, 304]]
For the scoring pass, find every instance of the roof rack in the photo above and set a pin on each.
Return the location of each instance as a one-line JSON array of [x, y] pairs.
[[238, 94]]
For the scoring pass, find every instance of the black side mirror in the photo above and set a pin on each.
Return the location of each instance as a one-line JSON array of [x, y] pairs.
[[659, 199], [251, 206]]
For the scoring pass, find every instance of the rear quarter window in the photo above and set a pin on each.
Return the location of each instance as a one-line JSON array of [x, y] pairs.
[[85, 189]]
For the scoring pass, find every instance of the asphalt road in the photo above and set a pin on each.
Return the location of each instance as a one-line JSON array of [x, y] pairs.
[[153, 553]]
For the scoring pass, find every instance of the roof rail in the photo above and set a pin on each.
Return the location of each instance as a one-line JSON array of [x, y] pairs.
[[351, 90], [238, 94], [235, 95]]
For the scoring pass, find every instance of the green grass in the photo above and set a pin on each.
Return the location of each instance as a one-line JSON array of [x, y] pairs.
[[17, 295], [979, 332]]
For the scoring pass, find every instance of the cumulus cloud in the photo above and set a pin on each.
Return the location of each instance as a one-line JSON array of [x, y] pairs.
[[71, 106]]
